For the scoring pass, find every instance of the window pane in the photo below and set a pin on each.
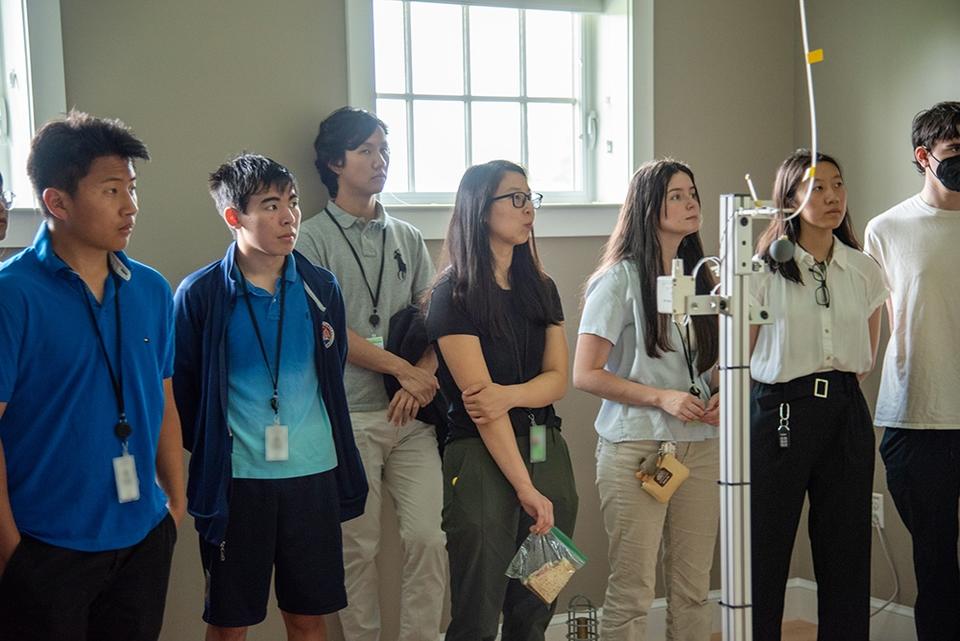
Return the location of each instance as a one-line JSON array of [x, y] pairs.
[[388, 49], [394, 114], [550, 140], [436, 35], [496, 131], [438, 152], [494, 51], [550, 54]]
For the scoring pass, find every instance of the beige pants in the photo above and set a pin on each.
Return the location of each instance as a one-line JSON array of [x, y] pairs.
[[406, 463], [636, 524]]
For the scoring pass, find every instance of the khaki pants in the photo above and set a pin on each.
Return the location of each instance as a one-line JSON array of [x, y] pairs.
[[636, 524], [406, 463]]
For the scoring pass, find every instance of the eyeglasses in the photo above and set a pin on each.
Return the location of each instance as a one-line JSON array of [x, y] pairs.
[[6, 199], [822, 293], [520, 199]]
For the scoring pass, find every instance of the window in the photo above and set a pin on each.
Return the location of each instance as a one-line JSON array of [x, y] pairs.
[[31, 92], [460, 82]]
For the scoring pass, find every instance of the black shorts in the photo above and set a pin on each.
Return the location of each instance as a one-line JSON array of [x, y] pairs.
[[49, 592], [293, 524]]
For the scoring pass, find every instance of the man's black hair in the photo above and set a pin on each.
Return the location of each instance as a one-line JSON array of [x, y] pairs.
[[938, 123], [236, 181], [63, 150], [345, 129]]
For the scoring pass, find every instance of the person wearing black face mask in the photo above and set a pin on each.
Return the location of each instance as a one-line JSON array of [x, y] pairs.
[[915, 243]]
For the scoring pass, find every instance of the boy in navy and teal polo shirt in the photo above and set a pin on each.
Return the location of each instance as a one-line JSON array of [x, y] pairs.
[[87, 419], [261, 343]]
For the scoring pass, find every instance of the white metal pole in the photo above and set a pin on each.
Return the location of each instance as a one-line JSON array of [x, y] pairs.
[[736, 240]]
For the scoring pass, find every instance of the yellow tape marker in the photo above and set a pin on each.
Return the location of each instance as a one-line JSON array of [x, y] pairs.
[[815, 56], [811, 172], [454, 481]]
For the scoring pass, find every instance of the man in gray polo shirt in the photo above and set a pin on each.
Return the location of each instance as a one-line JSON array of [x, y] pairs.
[[383, 266]]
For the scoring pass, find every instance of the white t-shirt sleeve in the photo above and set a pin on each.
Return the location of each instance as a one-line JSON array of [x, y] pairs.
[[877, 290], [604, 308]]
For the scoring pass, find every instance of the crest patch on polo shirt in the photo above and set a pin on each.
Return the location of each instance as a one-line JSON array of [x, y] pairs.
[[328, 334]]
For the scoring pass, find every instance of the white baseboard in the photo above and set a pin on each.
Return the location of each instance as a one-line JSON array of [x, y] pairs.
[[895, 623]]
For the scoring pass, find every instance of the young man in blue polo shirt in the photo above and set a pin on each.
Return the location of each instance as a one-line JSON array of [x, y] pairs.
[[91, 467], [261, 343]]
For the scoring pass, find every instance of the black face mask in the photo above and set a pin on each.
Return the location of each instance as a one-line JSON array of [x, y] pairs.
[[948, 172]]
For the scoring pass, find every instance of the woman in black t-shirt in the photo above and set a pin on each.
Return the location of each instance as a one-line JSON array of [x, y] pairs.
[[497, 322]]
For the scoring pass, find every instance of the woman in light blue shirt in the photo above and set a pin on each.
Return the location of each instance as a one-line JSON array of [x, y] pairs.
[[655, 378]]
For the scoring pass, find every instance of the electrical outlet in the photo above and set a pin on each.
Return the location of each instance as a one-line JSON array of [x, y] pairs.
[[876, 511]]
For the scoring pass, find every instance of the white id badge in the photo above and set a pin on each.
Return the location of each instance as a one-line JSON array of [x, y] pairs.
[[376, 341], [125, 473], [277, 445], [538, 443]]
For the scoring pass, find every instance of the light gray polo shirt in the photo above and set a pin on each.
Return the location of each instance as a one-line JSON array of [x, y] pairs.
[[324, 245], [613, 309]]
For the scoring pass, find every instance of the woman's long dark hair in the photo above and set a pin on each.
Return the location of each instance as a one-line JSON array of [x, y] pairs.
[[787, 195], [469, 260], [635, 238]]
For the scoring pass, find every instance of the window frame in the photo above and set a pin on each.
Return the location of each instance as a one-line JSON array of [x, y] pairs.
[[583, 103], [557, 219], [46, 94]]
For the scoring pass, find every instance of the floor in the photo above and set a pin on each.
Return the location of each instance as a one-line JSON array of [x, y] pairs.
[[792, 631]]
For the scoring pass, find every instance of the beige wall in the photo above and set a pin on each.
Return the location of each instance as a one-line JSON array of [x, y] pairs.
[[200, 80], [884, 62]]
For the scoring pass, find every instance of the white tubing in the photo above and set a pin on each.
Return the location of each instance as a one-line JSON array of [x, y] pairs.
[[811, 172]]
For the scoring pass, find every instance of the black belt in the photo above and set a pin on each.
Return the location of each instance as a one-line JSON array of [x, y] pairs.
[[818, 385]]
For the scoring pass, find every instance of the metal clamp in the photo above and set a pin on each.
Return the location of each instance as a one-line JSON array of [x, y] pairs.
[[821, 387]]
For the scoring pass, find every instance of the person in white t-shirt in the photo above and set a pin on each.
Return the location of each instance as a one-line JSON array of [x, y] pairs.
[[916, 243], [655, 377], [811, 433]]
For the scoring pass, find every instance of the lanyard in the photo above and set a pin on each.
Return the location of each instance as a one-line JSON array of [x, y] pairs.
[[374, 297], [688, 357], [274, 378], [122, 429]]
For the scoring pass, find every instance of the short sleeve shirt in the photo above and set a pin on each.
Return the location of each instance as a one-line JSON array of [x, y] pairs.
[[806, 337], [613, 310], [916, 246], [407, 274], [301, 409], [58, 427], [513, 358]]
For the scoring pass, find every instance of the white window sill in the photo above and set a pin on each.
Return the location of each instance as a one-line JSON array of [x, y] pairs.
[[552, 221], [21, 227]]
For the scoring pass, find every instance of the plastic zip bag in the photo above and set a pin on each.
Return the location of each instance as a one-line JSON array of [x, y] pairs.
[[545, 562]]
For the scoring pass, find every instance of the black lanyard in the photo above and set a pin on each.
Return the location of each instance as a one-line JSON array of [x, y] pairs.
[[122, 429], [374, 297], [688, 357], [274, 378]]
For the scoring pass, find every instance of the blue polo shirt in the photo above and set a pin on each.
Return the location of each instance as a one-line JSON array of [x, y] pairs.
[[310, 437], [58, 427]]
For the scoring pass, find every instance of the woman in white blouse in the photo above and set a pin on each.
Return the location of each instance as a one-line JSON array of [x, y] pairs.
[[654, 377], [811, 430]]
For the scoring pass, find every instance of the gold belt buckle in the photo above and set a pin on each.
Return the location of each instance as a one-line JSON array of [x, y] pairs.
[[821, 387]]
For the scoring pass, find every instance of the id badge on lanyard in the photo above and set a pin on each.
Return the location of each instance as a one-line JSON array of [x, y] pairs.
[[125, 475], [538, 441]]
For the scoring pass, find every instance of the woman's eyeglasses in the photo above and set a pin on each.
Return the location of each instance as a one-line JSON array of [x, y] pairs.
[[822, 293], [520, 199]]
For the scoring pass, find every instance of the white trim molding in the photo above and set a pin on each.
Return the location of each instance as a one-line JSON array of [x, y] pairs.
[[552, 221]]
